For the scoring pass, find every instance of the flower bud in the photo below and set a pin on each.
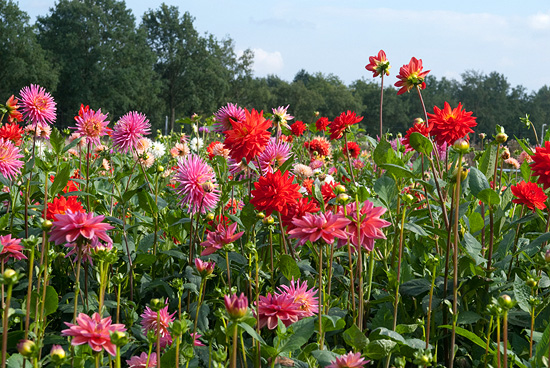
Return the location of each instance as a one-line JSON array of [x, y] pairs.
[[210, 217], [156, 305], [57, 354], [208, 187], [482, 136], [461, 145], [501, 138], [505, 153], [46, 225], [316, 113], [399, 135], [27, 348], [236, 306], [9, 277], [547, 256], [531, 282], [260, 215], [178, 328], [160, 168], [418, 120], [204, 268], [268, 220], [342, 198], [505, 301], [119, 338], [340, 188]]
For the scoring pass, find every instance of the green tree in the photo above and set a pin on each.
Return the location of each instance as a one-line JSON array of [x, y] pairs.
[[104, 62], [22, 59]]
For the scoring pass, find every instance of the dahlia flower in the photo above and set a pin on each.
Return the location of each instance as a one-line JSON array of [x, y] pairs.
[[342, 122], [419, 127], [149, 323], [248, 138], [10, 163], [349, 360], [236, 306], [37, 105], [313, 227], [197, 186], [280, 116], [219, 238], [379, 64], [309, 303], [449, 125], [321, 124], [353, 148], [11, 248], [410, 76], [370, 227], [158, 149], [12, 132], [318, 146], [129, 130], [298, 128], [529, 194], [274, 156], [541, 164], [76, 227], [297, 210], [14, 115], [92, 125], [224, 116], [179, 150], [141, 361], [61, 204], [274, 192], [272, 308], [302, 171], [94, 331]]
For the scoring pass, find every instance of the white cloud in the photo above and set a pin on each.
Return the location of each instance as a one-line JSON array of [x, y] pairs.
[[266, 62], [540, 21]]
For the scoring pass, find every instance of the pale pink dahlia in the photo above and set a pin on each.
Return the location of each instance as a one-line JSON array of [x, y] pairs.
[[77, 227], [94, 331], [313, 227], [92, 125], [349, 360], [141, 361], [274, 156], [371, 225], [10, 163], [196, 184], [271, 308], [129, 130], [11, 248], [309, 304], [281, 116], [37, 105], [219, 238], [225, 114], [149, 323]]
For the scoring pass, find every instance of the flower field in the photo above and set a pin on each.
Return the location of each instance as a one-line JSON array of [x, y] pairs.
[[253, 239]]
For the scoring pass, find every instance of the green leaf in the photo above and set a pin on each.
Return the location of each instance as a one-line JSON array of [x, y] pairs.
[[477, 181], [386, 189], [525, 171], [355, 338], [303, 330], [398, 171], [420, 143], [60, 180], [146, 202], [252, 332], [57, 141], [525, 146], [324, 357], [541, 348], [379, 349], [469, 335], [476, 222], [385, 332], [536, 244], [468, 317], [168, 358], [384, 154], [288, 267], [248, 216], [522, 292], [417, 229], [318, 195], [415, 287], [489, 197], [473, 248], [51, 302], [72, 144], [487, 162], [333, 323], [4, 220]]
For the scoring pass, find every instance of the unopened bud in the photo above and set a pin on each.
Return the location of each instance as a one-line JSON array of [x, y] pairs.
[[461, 145], [342, 198], [501, 138], [46, 225], [160, 168], [27, 348], [340, 188], [156, 305], [547, 256], [505, 301], [210, 217], [119, 338], [505, 153], [57, 354], [9, 277], [260, 215], [269, 220], [482, 136]]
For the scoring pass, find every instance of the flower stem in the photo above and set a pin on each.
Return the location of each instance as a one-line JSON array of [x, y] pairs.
[[228, 269], [432, 286], [321, 301], [158, 339], [5, 325], [29, 293], [235, 343], [349, 157], [381, 103], [400, 257], [77, 282], [505, 337]]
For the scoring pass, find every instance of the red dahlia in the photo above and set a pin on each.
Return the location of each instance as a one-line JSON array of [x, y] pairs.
[[13, 132], [529, 194], [410, 76], [249, 137], [449, 125], [419, 127], [343, 121], [298, 128], [275, 192], [353, 149], [297, 210], [321, 124]]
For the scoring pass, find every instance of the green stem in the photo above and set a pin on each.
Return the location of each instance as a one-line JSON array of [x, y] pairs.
[[5, 325], [432, 286], [321, 300], [400, 257], [77, 282], [117, 359], [29, 293], [235, 344], [158, 339], [381, 103], [505, 337], [349, 156]]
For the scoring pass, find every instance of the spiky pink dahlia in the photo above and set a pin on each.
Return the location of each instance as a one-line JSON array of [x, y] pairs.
[[274, 156], [219, 238], [149, 323], [272, 308], [196, 186], [10, 163], [370, 227], [78, 227], [309, 303], [92, 125], [349, 360], [37, 105], [95, 331], [11, 248], [313, 227], [225, 114], [129, 130]]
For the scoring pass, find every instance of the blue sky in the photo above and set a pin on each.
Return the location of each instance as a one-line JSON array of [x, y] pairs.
[[337, 37]]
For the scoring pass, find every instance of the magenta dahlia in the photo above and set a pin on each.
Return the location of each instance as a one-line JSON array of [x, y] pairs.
[[129, 130], [79, 226], [10, 163], [37, 105]]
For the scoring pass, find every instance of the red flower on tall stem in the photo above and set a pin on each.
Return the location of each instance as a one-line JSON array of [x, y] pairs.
[[298, 128], [61, 204], [378, 64], [14, 115], [410, 76], [353, 148], [297, 210], [321, 124], [449, 125], [12, 132], [249, 137], [342, 122], [529, 194], [274, 192], [419, 126], [541, 164]]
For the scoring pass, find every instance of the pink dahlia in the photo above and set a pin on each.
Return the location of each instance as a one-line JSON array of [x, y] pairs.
[[37, 105], [95, 331], [272, 308], [11, 248], [274, 156], [77, 227], [129, 130], [309, 304], [149, 323], [204, 268], [236, 306], [280, 116], [313, 227], [196, 184], [349, 360], [141, 361], [370, 227], [92, 125], [10, 163], [219, 238], [225, 114], [196, 337]]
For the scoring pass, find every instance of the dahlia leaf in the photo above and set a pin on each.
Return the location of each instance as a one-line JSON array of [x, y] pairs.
[[542, 347], [522, 292], [302, 331], [421, 143], [525, 146], [355, 338], [61, 180], [386, 189], [379, 349], [397, 171], [477, 181], [469, 335], [252, 332], [72, 144], [487, 162], [489, 197], [288, 267]]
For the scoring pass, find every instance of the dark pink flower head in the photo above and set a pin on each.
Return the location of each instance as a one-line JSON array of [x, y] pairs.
[[10, 155], [92, 125], [225, 114], [274, 156], [236, 306], [204, 268], [309, 304], [221, 237], [37, 105], [141, 361], [410, 76], [196, 184], [349, 360], [272, 308], [94, 331], [129, 130], [379, 64], [149, 322], [313, 227], [11, 248], [371, 225], [78, 227]]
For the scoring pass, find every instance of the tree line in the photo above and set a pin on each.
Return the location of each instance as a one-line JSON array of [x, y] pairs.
[[93, 52]]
